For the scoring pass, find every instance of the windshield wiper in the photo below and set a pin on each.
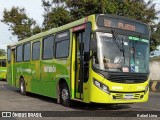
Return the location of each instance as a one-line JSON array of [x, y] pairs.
[[118, 42]]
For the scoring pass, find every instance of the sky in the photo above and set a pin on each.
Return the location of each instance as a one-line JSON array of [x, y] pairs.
[[34, 10]]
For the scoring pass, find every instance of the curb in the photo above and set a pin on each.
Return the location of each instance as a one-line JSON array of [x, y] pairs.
[[154, 86]]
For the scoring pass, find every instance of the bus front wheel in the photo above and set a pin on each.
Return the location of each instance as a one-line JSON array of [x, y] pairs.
[[22, 87], [65, 95]]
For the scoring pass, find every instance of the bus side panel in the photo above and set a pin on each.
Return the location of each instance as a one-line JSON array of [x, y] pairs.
[[35, 85], [9, 74], [3, 72], [3, 69], [22, 70], [48, 83], [16, 74], [51, 72], [26, 74]]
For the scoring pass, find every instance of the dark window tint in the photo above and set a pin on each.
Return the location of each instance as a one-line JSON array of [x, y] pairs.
[[62, 49], [9, 54], [62, 44], [2, 63], [19, 53], [86, 37], [27, 52], [48, 47], [36, 51]]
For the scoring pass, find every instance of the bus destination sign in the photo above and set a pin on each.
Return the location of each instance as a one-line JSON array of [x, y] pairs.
[[120, 25], [124, 24]]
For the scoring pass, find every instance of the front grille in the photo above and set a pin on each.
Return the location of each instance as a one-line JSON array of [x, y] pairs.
[[120, 96]]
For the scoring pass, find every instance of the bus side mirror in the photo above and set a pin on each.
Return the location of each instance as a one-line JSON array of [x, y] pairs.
[[93, 45]]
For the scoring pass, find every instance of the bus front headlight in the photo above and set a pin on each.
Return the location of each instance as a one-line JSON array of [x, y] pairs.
[[101, 86], [146, 89]]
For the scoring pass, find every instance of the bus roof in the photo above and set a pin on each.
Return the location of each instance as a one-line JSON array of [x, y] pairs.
[[53, 30], [68, 26]]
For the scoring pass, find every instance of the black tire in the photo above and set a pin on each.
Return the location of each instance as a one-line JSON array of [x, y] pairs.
[[65, 95], [22, 87]]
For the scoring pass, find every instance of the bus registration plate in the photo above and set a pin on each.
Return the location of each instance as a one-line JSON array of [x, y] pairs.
[[128, 96]]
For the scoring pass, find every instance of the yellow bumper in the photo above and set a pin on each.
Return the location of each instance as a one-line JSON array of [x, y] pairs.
[[119, 92]]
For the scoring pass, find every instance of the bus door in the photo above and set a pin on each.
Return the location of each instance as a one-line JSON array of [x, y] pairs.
[[81, 59], [13, 69], [79, 72]]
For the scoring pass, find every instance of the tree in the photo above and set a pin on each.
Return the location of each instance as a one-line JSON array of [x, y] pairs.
[[56, 14], [60, 12], [142, 11], [138, 9], [57, 17], [155, 37], [82, 8], [19, 23], [2, 52], [135, 9]]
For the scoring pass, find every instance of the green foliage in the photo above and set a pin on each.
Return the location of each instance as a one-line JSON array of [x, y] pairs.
[[138, 9], [155, 37], [57, 17], [19, 23], [142, 11], [2, 52], [60, 12], [56, 14], [135, 9], [82, 8]]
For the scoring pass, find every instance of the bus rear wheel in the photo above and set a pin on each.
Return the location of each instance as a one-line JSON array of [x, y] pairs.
[[22, 87], [65, 95]]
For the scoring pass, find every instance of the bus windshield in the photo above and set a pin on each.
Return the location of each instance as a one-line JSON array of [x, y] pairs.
[[120, 53]]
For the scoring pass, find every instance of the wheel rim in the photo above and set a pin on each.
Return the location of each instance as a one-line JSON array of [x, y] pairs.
[[65, 94]]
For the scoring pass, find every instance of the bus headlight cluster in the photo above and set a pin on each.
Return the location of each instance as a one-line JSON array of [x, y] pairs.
[[101, 86], [146, 89]]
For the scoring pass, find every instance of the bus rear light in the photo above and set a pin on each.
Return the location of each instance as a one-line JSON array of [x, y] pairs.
[[101, 86]]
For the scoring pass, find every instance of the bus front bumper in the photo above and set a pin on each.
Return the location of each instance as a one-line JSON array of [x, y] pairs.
[[99, 96]]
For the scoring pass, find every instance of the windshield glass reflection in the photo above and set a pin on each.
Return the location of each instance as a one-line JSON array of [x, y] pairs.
[[121, 53]]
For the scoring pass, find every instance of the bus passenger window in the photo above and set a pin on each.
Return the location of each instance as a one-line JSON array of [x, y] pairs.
[[9, 55], [19, 54], [62, 44], [62, 49], [48, 47], [27, 51], [36, 51]]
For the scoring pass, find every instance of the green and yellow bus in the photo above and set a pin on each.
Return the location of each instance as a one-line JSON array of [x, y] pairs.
[[97, 59], [3, 69]]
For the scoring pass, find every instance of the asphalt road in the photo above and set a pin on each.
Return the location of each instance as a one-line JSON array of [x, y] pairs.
[[11, 100]]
